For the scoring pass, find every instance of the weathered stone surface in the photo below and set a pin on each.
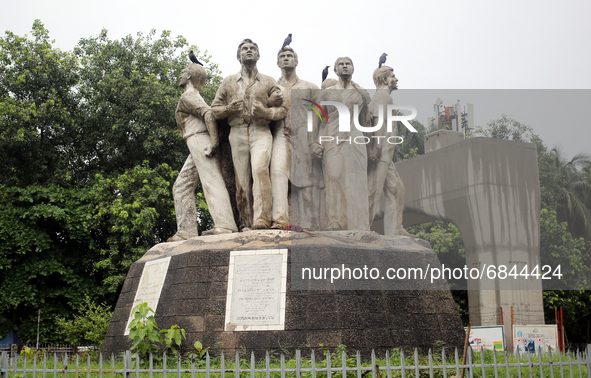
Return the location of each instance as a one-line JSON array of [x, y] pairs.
[[491, 193], [200, 130], [194, 296], [250, 137], [383, 180]]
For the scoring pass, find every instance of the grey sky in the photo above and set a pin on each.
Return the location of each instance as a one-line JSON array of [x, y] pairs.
[[431, 44]]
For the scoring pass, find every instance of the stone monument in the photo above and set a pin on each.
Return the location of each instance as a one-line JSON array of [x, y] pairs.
[[269, 289]]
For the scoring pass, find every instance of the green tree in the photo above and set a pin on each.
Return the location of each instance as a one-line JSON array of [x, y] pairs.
[[576, 308], [45, 260], [89, 326], [134, 211], [549, 175], [90, 150], [58, 245], [38, 109], [446, 241], [129, 91], [559, 248], [414, 143], [509, 129], [572, 192]]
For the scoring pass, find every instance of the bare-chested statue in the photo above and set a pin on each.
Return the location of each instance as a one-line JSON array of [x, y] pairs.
[[381, 173], [306, 174], [245, 99], [198, 127]]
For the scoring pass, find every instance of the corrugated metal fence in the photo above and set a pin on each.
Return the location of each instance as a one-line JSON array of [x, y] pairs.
[[397, 365]]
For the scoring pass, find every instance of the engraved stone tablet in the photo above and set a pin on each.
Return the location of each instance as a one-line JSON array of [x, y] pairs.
[[257, 282], [150, 285]]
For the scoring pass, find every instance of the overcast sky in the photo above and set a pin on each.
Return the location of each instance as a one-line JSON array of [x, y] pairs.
[[430, 44]]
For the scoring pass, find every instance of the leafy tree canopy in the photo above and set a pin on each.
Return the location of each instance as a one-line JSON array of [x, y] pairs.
[[90, 149]]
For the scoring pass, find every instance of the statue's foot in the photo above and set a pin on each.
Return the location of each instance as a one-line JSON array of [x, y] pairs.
[[175, 238], [260, 225], [182, 235], [278, 226], [334, 226], [403, 232], [220, 230]]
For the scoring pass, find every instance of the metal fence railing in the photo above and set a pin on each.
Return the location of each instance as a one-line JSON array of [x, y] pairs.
[[394, 364], [47, 348]]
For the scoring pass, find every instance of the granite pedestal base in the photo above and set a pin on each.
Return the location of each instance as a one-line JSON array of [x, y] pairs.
[[195, 289]]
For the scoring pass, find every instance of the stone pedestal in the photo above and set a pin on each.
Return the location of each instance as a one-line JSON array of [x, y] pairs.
[[361, 315]]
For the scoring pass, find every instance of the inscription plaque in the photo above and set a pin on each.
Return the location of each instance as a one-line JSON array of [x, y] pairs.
[[150, 286], [257, 282]]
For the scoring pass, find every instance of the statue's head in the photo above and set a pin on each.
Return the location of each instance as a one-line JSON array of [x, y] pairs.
[[248, 51], [384, 76], [344, 66], [194, 73], [287, 58]]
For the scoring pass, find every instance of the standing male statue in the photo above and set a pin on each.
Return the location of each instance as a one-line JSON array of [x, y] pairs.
[[344, 161], [381, 173], [198, 127], [306, 175], [246, 99]]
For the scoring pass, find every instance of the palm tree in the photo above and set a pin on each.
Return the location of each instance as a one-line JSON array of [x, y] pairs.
[[574, 192], [587, 171]]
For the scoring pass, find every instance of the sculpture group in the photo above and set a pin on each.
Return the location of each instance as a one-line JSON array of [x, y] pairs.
[[335, 185]]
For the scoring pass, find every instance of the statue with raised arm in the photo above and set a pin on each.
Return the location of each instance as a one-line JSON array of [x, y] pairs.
[[381, 173], [295, 164], [199, 129], [344, 154], [246, 99]]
